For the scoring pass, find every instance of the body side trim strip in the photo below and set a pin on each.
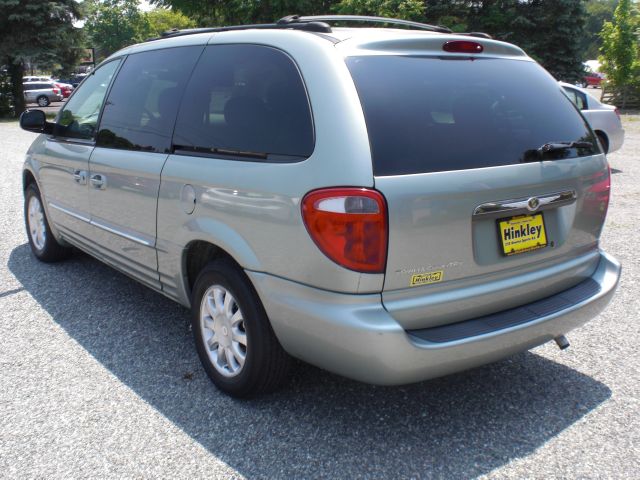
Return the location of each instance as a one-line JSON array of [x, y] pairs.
[[69, 212], [102, 226]]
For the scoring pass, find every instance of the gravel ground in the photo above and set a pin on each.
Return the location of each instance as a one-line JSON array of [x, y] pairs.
[[99, 379]]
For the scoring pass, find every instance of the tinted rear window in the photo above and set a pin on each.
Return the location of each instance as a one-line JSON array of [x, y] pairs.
[[428, 114], [247, 101]]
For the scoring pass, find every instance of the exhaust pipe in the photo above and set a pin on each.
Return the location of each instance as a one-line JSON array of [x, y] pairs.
[[562, 342]]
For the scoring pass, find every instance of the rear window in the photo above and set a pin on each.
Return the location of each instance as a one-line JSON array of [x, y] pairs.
[[427, 114]]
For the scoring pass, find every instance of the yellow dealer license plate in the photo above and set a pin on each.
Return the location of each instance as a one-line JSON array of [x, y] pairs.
[[522, 234]]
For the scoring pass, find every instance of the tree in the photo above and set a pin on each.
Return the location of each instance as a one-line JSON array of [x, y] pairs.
[[114, 24], [406, 9], [598, 12], [237, 12], [554, 37], [37, 31], [548, 31], [162, 19], [620, 46]]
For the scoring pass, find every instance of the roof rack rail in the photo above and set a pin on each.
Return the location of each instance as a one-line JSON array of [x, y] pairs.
[[312, 26], [476, 34], [362, 18]]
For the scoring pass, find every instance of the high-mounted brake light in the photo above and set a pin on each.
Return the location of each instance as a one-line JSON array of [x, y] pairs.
[[462, 46], [349, 225]]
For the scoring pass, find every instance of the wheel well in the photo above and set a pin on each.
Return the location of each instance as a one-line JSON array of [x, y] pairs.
[[603, 139], [198, 255], [27, 179]]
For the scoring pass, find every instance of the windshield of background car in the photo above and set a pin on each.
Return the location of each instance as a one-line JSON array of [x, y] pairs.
[[432, 114]]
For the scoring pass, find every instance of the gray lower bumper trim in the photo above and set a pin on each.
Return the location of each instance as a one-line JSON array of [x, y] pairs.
[[511, 317]]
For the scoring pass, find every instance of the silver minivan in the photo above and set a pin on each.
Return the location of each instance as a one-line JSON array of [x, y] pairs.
[[391, 205]]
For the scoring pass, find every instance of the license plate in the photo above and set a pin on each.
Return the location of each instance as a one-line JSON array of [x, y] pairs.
[[522, 234]]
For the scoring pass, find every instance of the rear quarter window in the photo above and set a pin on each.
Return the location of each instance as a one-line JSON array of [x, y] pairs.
[[431, 114], [245, 102]]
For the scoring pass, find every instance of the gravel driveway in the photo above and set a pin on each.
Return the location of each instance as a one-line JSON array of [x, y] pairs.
[[99, 379]]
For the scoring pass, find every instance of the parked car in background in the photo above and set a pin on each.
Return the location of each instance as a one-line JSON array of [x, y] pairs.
[[36, 79], [604, 119], [592, 79], [65, 88], [42, 93], [75, 80]]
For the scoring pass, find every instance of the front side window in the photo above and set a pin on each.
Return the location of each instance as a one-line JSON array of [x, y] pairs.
[[79, 117], [245, 101], [141, 109]]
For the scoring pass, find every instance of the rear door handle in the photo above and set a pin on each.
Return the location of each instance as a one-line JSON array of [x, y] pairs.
[[98, 181]]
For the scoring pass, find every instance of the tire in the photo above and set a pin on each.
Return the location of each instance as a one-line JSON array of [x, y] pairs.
[[43, 101], [225, 307], [604, 141], [42, 242]]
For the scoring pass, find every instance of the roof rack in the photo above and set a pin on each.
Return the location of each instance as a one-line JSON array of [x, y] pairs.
[[362, 18], [316, 23], [475, 34], [311, 26]]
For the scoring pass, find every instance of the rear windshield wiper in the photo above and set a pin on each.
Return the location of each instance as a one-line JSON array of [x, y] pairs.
[[551, 147], [555, 146]]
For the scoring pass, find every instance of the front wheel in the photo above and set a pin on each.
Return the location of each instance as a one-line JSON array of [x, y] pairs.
[[43, 101], [234, 339], [43, 244]]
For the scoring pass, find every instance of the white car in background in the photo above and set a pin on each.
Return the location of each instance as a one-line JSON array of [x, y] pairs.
[[604, 119]]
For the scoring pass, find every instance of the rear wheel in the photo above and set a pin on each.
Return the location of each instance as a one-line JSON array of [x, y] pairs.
[[234, 339], [43, 101], [43, 244]]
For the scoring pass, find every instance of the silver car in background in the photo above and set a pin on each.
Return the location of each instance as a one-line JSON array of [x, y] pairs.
[[383, 203], [604, 119], [41, 93]]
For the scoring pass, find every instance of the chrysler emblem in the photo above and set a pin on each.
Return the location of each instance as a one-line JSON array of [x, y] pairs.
[[532, 204]]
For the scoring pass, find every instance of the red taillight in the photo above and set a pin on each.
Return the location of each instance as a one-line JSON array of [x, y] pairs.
[[599, 192], [462, 46], [349, 225], [617, 112], [56, 91]]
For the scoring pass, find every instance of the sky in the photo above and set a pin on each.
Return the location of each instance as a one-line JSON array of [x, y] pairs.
[[144, 5]]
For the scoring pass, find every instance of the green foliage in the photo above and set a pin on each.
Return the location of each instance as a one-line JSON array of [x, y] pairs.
[[235, 12], [6, 105], [555, 37], [619, 58], [406, 9], [598, 12], [548, 31], [114, 24], [37, 31], [162, 20]]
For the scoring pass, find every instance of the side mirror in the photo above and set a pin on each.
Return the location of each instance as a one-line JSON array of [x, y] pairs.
[[35, 121]]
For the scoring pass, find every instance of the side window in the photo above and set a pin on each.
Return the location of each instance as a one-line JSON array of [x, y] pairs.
[[141, 109], [245, 101], [79, 117], [581, 100], [578, 98]]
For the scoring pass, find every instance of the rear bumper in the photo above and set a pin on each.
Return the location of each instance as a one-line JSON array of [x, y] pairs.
[[354, 336], [616, 139]]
